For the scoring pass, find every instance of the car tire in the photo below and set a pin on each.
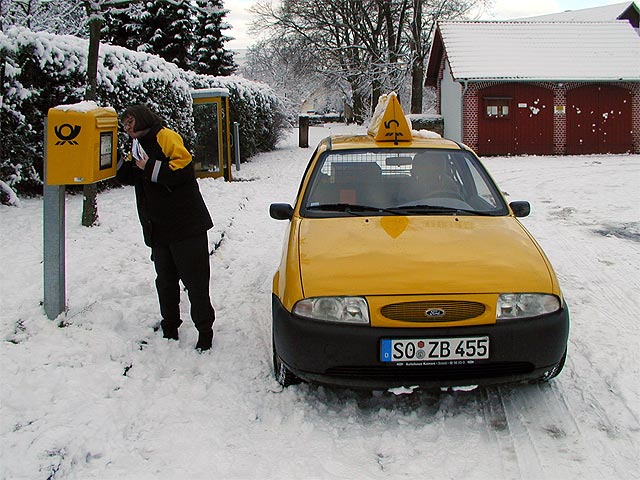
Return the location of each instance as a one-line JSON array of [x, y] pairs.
[[283, 375], [554, 372]]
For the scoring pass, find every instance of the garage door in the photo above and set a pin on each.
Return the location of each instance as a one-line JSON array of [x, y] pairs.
[[599, 120], [515, 119]]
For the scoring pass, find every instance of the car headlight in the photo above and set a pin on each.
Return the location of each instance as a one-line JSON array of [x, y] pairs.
[[334, 309], [524, 305]]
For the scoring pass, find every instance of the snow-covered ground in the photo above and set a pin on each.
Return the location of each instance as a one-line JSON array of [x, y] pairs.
[[97, 394]]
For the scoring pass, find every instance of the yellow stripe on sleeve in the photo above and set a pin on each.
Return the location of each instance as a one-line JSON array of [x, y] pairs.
[[174, 149]]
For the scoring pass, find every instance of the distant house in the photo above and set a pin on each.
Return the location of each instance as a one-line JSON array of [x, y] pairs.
[[541, 85]]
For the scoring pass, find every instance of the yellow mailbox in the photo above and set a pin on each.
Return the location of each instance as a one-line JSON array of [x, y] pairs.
[[81, 144]]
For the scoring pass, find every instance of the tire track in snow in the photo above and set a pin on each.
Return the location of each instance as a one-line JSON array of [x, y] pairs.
[[535, 426], [495, 417], [510, 424], [553, 430], [595, 398], [588, 302], [605, 410], [601, 399]]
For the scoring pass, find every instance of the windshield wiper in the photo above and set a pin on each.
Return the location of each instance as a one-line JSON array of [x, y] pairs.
[[399, 210], [352, 209], [437, 209]]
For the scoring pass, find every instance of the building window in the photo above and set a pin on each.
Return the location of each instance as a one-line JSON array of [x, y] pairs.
[[497, 107]]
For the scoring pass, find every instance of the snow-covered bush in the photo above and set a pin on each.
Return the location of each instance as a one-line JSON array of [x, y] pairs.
[[42, 70]]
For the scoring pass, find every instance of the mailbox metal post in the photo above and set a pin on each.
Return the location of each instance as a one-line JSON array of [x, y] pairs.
[[54, 251], [53, 244]]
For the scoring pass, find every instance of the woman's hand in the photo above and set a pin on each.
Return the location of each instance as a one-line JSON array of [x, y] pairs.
[[142, 162]]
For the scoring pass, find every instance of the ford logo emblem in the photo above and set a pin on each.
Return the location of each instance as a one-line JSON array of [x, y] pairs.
[[434, 312]]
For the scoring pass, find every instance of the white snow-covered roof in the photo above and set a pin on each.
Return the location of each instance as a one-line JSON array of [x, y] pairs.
[[560, 51], [210, 92], [595, 14]]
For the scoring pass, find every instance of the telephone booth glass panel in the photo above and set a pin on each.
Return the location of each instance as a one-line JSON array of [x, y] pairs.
[[206, 153]]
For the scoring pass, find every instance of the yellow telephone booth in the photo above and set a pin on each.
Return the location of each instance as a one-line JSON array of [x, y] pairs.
[[212, 149]]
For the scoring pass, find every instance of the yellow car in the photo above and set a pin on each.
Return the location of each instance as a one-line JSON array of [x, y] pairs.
[[403, 265]]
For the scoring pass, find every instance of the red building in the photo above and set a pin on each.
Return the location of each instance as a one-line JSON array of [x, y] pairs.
[[545, 85]]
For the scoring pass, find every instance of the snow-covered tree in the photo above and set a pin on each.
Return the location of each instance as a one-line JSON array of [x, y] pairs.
[[161, 27], [55, 16], [209, 55], [167, 30], [124, 23], [292, 71]]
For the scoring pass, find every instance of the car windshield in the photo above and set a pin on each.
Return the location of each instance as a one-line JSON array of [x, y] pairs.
[[401, 182]]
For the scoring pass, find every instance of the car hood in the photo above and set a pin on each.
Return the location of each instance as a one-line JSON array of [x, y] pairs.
[[404, 255]]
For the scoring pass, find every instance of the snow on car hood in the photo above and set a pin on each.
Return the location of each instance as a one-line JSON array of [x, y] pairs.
[[398, 255]]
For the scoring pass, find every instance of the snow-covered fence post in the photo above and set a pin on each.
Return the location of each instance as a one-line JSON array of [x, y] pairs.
[[236, 144], [303, 131]]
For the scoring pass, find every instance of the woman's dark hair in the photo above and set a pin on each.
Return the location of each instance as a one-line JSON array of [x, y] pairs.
[[144, 117]]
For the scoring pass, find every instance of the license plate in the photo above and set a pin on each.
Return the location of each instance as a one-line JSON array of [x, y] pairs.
[[434, 349]]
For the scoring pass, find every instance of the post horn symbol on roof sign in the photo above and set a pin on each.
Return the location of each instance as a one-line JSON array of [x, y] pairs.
[[389, 123], [66, 133]]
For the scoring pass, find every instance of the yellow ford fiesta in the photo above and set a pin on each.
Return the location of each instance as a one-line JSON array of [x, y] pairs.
[[404, 266]]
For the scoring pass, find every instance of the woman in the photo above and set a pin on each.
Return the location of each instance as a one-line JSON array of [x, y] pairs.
[[174, 219]]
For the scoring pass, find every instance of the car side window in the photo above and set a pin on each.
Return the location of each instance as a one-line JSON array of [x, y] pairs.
[[485, 190]]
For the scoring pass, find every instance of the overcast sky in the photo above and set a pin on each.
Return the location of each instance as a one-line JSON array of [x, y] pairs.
[[239, 16]]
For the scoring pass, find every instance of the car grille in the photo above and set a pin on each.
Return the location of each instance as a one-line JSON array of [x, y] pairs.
[[432, 372], [441, 311]]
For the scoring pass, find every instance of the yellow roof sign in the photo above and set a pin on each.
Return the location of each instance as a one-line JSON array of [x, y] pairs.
[[388, 123]]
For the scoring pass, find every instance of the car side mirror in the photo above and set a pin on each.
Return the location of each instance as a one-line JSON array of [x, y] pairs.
[[281, 211], [520, 208]]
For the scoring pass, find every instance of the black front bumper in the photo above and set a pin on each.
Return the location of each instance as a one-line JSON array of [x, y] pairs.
[[348, 355]]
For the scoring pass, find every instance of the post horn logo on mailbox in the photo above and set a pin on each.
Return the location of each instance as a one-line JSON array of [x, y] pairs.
[[66, 133]]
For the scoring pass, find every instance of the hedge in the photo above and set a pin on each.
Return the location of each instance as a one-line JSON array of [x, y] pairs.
[[43, 70]]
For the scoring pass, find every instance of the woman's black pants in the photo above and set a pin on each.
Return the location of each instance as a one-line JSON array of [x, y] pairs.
[[186, 260]]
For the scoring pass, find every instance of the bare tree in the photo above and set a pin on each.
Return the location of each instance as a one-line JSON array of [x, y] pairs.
[[288, 67], [354, 41], [418, 44], [426, 14], [373, 45], [95, 21]]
